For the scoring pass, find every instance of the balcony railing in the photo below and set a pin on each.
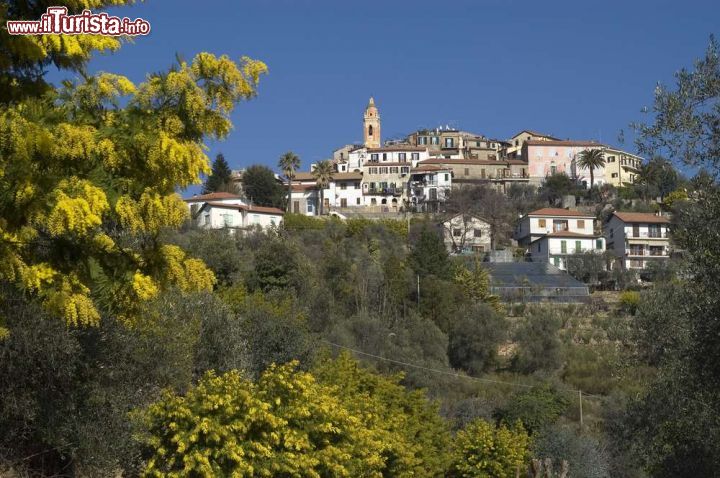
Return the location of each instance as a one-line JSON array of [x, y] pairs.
[[420, 184], [647, 235], [385, 191], [556, 251], [646, 252]]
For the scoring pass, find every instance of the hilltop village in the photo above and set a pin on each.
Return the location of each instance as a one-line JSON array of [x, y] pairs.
[[433, 173]]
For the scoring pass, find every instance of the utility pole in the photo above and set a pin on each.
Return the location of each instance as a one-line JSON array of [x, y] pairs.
[[581, 411], [418, 290]]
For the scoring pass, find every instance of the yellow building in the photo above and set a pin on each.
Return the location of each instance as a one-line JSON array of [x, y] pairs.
[[621, 167]]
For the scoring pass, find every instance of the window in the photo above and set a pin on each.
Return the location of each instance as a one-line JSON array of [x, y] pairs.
[[482, 173], [357, 201], [563, 247], [370, 130], [373, 170], [343, 202], [384, 170], [405, 169], [556, 261], [447, 177], [560, 225], [611, 159], [310, 207], [394, 169], [541, 223], [449, 142], [384, 156], [374, 157], [296, 207], [456, 232], [581, 223], [227, 220], [435, 140], [343, 185], [477, 232], [578, 247], [357, 185], [373, 202], [402, 157], [467, 171], [256, 218], [598, 244], [415, 156], [614, 175]]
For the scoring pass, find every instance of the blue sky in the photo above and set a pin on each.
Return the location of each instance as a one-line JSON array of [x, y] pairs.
[[574, 69]]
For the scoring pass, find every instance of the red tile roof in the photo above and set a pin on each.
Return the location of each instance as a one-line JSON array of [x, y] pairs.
[[429, 168], [262, 209], [642, 217], [304, 187], [499, 162], [213, 196], [533, 142], [535, 133], [305, 176], [245, 207], [556, 211]]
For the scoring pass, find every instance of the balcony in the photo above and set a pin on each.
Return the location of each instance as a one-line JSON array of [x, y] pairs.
[[384, 191], [557, 251], [649, 252], [647, 235], [422, 184]]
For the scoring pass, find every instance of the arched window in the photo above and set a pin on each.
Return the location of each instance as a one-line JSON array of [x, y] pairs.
[[370, 130]]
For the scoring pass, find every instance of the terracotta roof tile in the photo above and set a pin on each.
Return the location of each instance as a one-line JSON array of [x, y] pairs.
[[533, 142], [212, 196], [556, 211], [642, 217]]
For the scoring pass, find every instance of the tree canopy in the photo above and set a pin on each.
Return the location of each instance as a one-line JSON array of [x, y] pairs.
[[219, 179]]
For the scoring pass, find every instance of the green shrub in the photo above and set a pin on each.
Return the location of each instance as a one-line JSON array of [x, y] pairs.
[[300, 222]]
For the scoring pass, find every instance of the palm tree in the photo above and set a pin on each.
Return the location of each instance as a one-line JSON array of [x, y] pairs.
[[323, 174], [288, 164], [591, 159]]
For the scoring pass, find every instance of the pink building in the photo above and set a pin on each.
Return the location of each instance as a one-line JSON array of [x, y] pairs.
[[549, 157]]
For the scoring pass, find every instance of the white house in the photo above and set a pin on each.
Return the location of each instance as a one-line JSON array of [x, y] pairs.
[[195, 203], [541, 222], [556, 247], [636, 239], [465, 233], [220, 215], [429, 185], [343, 191]]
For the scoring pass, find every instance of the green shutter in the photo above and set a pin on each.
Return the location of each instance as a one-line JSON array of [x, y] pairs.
[[563, 247]]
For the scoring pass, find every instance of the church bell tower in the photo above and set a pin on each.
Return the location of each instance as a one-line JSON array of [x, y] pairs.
[[371, 124]]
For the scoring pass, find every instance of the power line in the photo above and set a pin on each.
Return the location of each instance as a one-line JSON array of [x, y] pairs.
[[452, 374]]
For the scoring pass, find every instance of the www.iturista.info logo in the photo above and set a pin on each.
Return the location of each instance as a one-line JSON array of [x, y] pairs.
[[57, 21]]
